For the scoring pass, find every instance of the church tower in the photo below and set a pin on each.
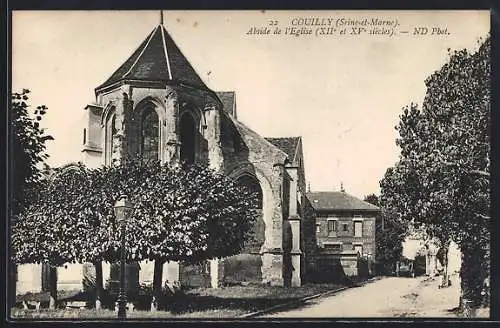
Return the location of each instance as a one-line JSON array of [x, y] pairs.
[[155, 106]]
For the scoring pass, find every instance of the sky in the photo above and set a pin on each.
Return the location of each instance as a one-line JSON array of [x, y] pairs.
[[342, 94]]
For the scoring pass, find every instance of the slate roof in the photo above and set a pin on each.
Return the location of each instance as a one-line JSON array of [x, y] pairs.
[[288, 145], [228, 101], [157, 58], [251, 137], [338, 201]]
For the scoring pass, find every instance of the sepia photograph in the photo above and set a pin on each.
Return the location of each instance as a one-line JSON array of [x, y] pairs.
[[250, 165]]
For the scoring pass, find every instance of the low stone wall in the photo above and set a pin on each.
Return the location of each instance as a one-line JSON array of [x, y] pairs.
[[241, 269], [335, 267], [29, 278], [195, 275], [70, 277]]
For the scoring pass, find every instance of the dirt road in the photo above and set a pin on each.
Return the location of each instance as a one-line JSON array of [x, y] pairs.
[[386, 297]]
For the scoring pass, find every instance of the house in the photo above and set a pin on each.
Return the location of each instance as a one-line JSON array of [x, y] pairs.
[[345, 236]]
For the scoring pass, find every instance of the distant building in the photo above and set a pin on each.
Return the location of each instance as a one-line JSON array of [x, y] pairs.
[[345, 235], [421, 249]]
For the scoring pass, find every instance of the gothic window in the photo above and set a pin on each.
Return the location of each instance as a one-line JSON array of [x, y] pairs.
[[188, 138], [253, 185], [149, 134], [110, 134]]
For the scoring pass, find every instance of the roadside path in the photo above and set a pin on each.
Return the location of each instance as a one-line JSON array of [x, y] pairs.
[[386, 297]]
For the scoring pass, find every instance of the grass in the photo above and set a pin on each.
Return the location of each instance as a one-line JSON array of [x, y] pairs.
[[224, 302]]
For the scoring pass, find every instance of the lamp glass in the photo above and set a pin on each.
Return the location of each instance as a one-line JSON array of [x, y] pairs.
[[122, 208]]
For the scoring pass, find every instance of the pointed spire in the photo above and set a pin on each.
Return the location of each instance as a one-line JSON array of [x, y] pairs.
[[342, 187], [308, 187], [157, 58]]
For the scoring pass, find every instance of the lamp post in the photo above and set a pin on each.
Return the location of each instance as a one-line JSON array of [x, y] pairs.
[[122, 209]]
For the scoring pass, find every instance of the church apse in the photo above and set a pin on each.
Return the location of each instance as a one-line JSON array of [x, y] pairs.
[[158, 107]]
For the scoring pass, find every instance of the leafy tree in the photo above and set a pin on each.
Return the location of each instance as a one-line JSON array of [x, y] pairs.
[[179, 214], [372, 199], [28, 151], [50, 230], [441, 181], [389, 236]]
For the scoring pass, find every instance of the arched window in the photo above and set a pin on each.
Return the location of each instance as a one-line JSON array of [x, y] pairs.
[[188, 138], [149, 134], [110, 136], [253, 185]]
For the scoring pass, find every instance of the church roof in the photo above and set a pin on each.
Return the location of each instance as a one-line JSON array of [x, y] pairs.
[[288, 145], [252, 138], [228, 101], [157, 58], [338, 201]]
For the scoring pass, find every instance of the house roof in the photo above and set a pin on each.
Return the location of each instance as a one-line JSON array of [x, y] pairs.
[[338, 201], [288, 145], [157, 58]]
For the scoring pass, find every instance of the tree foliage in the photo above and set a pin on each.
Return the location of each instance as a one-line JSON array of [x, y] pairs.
[[179, 214], [441, 181], [390, 233], [28, 142]]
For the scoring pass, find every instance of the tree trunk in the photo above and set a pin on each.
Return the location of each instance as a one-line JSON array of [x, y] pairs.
[[12, 283], [52, 287], [157, 276], [472, 275], [99, 288], [445, 264]]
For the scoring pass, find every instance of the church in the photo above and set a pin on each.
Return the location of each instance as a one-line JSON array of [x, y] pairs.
[[155, 105]]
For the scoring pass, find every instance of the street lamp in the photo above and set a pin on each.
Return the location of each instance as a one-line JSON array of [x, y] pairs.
[[122, 210]]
